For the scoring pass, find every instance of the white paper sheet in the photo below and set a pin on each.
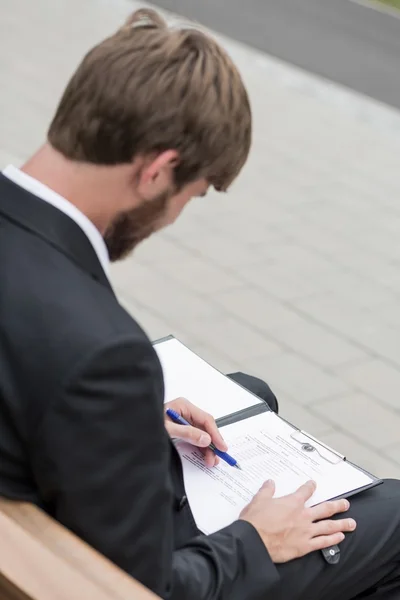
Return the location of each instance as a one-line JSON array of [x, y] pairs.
[[265, 449], [189, 376]]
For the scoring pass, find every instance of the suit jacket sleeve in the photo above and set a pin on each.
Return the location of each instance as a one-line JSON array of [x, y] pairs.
[[101, 458]]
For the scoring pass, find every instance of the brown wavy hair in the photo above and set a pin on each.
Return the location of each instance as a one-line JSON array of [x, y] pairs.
[[150, 88]]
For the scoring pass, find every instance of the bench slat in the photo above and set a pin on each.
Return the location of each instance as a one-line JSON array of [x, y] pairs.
[[41, 560]]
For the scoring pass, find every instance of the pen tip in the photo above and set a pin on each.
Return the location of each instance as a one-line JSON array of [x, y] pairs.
[[238, 467]]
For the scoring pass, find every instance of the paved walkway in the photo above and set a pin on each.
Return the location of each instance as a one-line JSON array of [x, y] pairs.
[[295, 274], [356, 44]]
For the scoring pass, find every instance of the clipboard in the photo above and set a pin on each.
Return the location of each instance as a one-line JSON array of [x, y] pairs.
[[304, 441], [309, 444], [307, 441], [237, 402]]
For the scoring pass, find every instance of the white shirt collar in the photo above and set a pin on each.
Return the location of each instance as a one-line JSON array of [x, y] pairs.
[[40, 190]]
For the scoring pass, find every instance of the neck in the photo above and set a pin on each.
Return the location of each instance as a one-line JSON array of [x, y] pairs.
[[88, 187]]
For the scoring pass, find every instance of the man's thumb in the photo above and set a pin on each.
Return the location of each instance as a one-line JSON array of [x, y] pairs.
[[268, 487], [305, 491]]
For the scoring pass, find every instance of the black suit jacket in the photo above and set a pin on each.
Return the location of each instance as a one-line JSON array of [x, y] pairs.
[[81, 417]]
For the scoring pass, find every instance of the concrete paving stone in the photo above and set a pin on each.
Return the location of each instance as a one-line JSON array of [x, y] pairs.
[[390, 200], [388, 220], [232, 338], [256, 308], [282, 283], [220, 250], [280, 188], [223, 363], [383, 243], [154, 326], [388, 275], [373, 268], [198, 275], [371, 460], [349, 256], [161, 250], [379, 277], [378, 379], [7, 157], [327, 201], [128, 275], [297, 377], [389, 314], [21, 143], [325, 242], [165, 297], [226, 237], [356, 290], [363, 235], [393, 452], [208, 212], [383, 340], [369, 329], [157, 327], [362, 417], [354, 193], [251, 220], [327, 215], [343, 317], [318, 344], [133, 307], [302, 416], [301, 259]]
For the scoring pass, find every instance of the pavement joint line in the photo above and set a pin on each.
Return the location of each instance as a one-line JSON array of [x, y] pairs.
[[288, 304], [363, 442], [306, 316]]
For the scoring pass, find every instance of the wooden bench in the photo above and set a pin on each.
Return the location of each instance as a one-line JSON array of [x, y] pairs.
[[40, 560]]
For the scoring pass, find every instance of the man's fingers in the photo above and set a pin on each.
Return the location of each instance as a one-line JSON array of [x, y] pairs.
[[211, 427], [192, 435], [325, 541], [324, 528], [196, 437], [305, 492], [207, 422], [267, 488], [328, 509], [199, 418], [210, 458]]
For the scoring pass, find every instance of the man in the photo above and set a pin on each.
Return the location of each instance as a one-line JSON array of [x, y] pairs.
[[151, 118]]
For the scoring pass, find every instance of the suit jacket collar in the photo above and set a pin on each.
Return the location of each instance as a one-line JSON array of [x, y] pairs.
[[52, 225]]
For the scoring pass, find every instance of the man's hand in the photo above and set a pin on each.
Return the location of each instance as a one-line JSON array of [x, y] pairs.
[[288, 529], [201, 434]]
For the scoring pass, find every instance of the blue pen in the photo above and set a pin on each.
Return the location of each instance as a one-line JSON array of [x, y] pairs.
[[176, 417]]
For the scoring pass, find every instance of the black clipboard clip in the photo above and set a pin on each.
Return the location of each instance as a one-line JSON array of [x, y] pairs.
[[310, 445]]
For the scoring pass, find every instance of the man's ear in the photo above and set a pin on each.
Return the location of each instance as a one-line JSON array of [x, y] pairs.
[[156, 174]]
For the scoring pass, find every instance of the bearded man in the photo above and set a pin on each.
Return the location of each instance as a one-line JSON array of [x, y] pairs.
[[151, 118]]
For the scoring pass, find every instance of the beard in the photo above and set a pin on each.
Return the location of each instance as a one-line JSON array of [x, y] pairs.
[[132, 227]]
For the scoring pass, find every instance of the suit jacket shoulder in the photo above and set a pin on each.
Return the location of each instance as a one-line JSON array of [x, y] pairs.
[[56, 308]]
